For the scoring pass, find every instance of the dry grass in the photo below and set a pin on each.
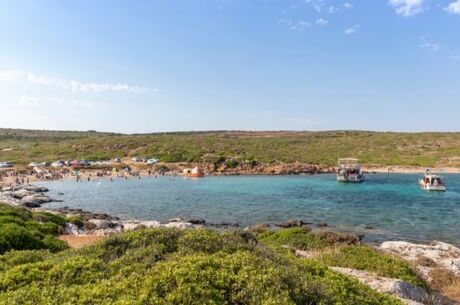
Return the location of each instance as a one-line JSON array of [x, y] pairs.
[[425, 262], [80, 241], [446, 282]]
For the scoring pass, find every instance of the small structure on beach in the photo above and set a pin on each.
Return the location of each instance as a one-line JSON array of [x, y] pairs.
[[195, 172]]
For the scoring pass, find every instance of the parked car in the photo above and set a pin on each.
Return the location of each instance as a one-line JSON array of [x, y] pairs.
[[58, 164], [117, 160], [85, 163], [153, 161], [6, 164], [74, 163], [35, 164], [44, 164], [138, 159]]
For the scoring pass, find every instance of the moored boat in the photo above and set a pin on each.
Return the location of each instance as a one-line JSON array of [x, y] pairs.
[[432, 182], [350, 171]]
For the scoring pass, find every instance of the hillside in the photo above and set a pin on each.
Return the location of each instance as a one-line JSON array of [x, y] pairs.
[[373, 148]]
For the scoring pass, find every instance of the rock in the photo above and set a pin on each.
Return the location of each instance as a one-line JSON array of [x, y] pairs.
[[180, 225], [101, 224], [31, 204], [292, 224], [177, 219], [438, 254], [199, 221], [72, 229], [34, 188], [304, 254], [409, 293], [340, 238], [34, 200], [224, 225], [135, 225], [107, 232], [21, 194]]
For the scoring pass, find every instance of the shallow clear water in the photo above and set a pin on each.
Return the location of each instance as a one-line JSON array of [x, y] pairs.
[[392, 204]]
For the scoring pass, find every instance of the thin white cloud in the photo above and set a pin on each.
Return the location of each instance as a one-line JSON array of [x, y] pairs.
[[407, 8], [295, 25], [454, 7], [433, 46], [347, 5], [321, 22], [34, 102], [351, 30], [30, 101], [454, 56], [318, 5], [71, 85]]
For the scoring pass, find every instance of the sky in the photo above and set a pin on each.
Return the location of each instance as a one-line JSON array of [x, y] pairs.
[[172, 65]]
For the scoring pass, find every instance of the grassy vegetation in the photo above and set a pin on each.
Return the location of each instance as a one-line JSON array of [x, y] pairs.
[[369, 259], [21, 229], [377, 148], [341, 250]]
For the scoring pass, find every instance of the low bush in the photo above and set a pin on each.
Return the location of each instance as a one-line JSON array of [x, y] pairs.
[[300, 238], [171, 266], [21, 229], [369, 259], [342, 250], [232, 163]]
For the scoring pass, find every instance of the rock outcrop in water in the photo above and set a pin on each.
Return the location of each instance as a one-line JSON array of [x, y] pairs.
[[30, 196]]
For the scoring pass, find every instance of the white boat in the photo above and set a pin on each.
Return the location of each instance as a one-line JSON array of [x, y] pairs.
[[350, 171], [432, 182]]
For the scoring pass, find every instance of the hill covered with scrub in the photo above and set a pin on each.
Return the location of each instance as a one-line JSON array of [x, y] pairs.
[[373, 148]]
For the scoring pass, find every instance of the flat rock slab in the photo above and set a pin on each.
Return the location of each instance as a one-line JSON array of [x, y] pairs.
[[443, 255], [407, 292]]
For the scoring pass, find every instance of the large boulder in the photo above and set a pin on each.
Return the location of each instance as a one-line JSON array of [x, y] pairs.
[[180, 225], [140, 224], [101, 224], [407, 292], [72, 229], [34, 200], [438, 254], [19, 194]]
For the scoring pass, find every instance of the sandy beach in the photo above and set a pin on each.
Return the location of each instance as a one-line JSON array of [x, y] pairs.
[[14, 176]]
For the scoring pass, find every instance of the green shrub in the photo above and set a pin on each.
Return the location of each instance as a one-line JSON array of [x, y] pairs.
[[232, 163], [49, 217], [76, 220], [299, 238], [366, 258], [20, 230], [171, 266], [173, 157]]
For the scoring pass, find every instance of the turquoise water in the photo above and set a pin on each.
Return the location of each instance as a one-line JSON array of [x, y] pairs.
[[385, 207]]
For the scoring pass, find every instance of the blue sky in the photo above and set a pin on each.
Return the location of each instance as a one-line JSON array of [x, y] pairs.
[[167, 65]]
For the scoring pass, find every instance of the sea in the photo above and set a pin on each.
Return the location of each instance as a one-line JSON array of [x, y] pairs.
[[384, 207]]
